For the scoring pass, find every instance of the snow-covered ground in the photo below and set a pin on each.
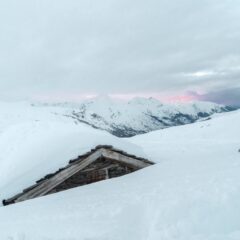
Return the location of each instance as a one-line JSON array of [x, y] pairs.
[[193, 193]]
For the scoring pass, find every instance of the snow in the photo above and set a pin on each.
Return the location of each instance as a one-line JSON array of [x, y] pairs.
[[192, 193], [140, 114], [35, 142], [200, 140]]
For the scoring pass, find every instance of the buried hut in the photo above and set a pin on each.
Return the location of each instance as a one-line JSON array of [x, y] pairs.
[[101, 163]]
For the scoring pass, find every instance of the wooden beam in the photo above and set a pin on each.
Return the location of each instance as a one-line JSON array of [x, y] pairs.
[[116, 156], [47, 186]]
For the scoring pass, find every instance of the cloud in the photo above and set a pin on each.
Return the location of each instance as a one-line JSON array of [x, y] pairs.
[[229, 97], [118, 47]]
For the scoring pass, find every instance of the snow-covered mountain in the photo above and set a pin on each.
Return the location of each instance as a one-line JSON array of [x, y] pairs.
[[141, 115], [123, 119]]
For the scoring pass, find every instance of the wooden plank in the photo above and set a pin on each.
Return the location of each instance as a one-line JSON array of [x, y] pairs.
[[124, 159], [47, 186]]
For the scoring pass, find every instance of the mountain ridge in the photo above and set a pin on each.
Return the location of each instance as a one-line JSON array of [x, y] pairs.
[[141, 115]]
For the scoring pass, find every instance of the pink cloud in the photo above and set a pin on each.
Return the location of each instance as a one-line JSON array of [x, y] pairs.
[[182, 98], [188, 97]]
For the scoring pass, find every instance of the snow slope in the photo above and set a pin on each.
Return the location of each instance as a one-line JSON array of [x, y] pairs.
[[193, 193]]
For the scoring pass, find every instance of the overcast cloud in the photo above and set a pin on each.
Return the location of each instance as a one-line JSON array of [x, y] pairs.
[[119, 47]]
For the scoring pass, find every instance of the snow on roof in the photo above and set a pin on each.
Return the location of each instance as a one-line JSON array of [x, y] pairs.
[[31, 150]]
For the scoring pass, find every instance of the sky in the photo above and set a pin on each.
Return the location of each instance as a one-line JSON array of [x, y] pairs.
[[75, 49]]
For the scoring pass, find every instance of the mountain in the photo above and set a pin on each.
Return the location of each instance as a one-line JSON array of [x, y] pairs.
[[122, 119], [141, 115], [192, 193]]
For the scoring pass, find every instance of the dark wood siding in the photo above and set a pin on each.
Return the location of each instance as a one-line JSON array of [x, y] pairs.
[[100, 170]]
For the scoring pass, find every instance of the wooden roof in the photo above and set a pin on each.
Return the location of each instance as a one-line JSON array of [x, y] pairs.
[[50, 181]]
